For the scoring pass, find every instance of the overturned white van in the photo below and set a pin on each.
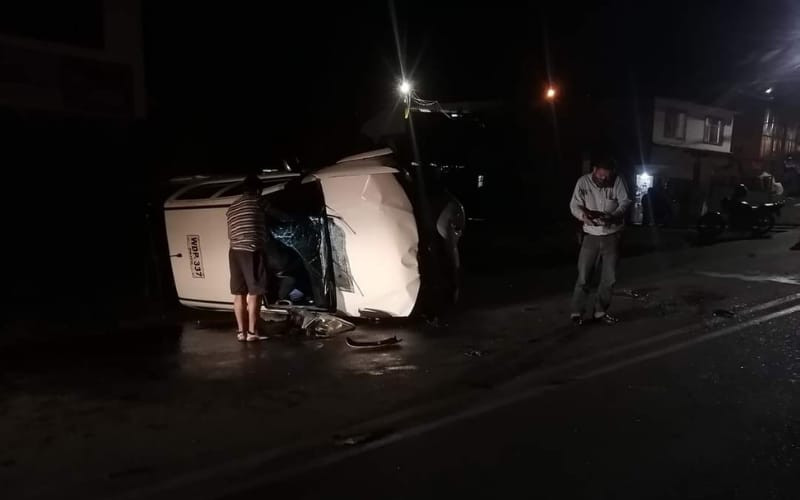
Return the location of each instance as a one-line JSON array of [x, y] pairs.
[[362, 238]]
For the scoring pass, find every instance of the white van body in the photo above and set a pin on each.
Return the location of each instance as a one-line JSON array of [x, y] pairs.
[[374, 249]]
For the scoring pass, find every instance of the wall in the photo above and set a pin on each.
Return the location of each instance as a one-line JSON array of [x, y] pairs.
[[695, 125], [690, 164]]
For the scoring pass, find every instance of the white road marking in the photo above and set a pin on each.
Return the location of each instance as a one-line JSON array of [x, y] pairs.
[[776, 278], [656, 338], [682, 345], [201, 490], [490, 406]]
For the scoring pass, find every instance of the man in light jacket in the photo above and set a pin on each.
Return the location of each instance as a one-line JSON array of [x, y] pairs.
[[600, 201]]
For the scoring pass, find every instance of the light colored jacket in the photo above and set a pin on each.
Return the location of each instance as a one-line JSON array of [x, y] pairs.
[[613, 201]]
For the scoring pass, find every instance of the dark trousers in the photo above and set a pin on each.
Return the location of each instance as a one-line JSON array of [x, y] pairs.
[[596, 250]]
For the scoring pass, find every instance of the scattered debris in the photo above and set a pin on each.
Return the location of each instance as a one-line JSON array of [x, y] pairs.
[[275, 315], [435, 322], [723, 313], [389, 341], [475, 353], [633, 294], [374, 314], [319, 324]]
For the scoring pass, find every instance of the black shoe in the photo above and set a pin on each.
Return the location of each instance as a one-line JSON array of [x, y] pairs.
[[607, 319]]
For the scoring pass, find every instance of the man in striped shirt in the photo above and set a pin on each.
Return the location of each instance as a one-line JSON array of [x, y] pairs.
[[247, 232]]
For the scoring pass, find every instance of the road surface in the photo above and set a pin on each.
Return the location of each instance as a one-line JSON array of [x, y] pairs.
[[692, 395]]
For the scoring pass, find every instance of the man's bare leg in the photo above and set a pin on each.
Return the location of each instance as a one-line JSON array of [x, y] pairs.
[[240, 310], [253, 310]]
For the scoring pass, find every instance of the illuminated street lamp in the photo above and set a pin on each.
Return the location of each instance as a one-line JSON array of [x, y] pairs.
[[405, 91], [550, 94]]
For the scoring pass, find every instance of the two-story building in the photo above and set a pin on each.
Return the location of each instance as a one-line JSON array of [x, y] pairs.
[[691, 150], [698, 153], [766, 142]]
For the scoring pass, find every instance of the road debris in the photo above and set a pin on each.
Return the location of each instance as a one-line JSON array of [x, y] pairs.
[[389, 341], [632, 293], [319, 324], [475, 353], [435, 322]]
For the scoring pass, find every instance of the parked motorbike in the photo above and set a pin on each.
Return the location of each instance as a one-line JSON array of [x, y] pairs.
[[739, 216]]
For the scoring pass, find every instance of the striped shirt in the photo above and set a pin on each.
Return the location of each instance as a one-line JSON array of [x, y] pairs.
[[247, 226]]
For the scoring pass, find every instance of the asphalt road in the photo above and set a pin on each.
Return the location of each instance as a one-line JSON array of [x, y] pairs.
[[719, 418], [508, 399]]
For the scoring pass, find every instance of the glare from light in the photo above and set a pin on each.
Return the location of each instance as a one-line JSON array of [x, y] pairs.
[[768, 91], [551, 93], [405, 87]]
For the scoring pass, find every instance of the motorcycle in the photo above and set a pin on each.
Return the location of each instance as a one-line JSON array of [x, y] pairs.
[[739, 216]]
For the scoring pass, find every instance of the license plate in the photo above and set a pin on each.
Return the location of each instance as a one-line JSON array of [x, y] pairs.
[[195, 255]]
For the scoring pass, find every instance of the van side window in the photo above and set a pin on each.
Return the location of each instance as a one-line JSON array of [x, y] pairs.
[[201, 192]]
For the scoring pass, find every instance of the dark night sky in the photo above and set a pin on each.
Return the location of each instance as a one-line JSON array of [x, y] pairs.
[[302, 78]]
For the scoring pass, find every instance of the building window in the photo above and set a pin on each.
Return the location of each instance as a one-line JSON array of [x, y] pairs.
[[674, 124], [778, 137], [767, 133], [791, 139], [713, 133]]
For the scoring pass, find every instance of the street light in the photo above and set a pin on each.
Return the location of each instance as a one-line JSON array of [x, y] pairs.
[[550, 94], [405, 87]]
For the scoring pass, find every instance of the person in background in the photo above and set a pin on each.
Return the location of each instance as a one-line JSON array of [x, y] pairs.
[[599, 201], [247, 232], [648, 219]]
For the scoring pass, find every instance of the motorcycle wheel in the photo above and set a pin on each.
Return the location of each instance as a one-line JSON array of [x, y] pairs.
[[763, 225]]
